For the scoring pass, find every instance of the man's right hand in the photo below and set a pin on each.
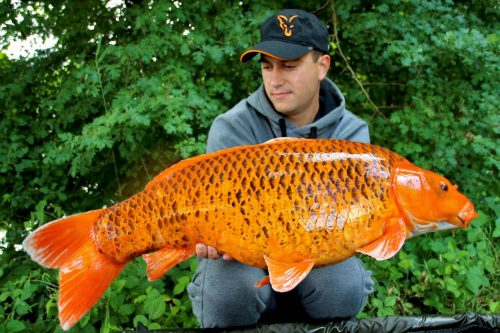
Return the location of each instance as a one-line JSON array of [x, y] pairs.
[[210, 252]]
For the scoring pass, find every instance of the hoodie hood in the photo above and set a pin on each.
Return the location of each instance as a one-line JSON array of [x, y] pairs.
[[254, 120], [321, 127]]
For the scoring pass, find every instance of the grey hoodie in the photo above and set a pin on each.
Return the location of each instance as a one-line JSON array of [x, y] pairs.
[[254, 120]]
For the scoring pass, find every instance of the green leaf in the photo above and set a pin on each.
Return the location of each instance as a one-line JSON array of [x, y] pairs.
[[475, 280], [199, 57], [21, 307], [494, 306], [126, 309], [155, 307], [181, 285], [496, 232], [390, 301], [140, 319], [4, 295], [15, 326], [438, 246], [85, 320]]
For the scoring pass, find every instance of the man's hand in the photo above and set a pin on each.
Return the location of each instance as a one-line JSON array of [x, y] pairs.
[[210, 252]]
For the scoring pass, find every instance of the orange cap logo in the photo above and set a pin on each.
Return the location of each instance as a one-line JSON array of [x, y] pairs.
[[286, 24]]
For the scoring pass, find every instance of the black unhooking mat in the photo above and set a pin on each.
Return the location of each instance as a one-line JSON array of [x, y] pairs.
[[464, 323]]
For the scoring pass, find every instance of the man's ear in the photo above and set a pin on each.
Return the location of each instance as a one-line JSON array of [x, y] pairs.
[[324, 66]]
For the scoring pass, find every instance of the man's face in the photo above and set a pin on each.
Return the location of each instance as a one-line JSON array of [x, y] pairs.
[[293, 86]]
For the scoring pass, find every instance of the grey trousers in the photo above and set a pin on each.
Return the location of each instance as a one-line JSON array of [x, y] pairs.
[[223, 294]]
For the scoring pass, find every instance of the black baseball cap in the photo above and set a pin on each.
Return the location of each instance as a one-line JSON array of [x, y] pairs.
[[289, 35]]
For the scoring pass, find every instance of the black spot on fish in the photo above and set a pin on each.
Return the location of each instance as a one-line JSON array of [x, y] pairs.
[[262, 182], [282, 160], [266, 233], [257, 194], [253, 186]]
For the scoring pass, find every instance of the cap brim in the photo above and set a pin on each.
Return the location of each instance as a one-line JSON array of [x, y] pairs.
[[276, 49]]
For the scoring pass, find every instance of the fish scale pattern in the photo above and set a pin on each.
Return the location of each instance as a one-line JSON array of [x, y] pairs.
[[289, 199]]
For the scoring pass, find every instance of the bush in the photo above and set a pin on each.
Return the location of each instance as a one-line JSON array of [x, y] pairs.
[[133, 88]]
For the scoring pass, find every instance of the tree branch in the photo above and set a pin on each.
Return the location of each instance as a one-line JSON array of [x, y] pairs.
[[317, 10], [353, 73]]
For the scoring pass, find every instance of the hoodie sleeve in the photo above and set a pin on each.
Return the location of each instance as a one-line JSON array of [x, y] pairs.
[[222, 135], [352, 128], [228, 131]]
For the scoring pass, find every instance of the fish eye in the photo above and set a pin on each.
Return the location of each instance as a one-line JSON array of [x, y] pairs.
[[444, 187]]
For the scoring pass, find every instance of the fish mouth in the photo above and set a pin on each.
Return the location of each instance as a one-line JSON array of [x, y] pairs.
[[467, 214], [461, 220]]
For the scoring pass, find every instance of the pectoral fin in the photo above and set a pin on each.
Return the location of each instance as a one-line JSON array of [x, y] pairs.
[[286, 275], [159, 262], [389, 244]]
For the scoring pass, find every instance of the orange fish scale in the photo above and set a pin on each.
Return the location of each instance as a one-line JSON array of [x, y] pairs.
[[312, 199]]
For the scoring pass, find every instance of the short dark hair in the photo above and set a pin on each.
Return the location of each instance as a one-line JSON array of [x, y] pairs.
[[316, 54]]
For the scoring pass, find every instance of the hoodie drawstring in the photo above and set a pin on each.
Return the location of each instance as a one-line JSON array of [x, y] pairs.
[[282, 127], [313, 134]]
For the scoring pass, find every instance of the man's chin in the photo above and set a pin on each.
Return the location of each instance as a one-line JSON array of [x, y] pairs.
[[282, 108]]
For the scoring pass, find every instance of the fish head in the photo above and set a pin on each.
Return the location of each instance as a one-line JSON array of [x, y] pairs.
[[429, 201]]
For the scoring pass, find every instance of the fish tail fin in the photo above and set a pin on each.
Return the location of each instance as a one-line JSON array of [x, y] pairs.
[[84, 272]]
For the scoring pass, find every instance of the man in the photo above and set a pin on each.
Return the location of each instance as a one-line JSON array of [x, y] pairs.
[[296, 100]]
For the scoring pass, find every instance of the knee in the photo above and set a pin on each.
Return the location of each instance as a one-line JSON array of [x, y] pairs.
[[223, 294], [336, 291]]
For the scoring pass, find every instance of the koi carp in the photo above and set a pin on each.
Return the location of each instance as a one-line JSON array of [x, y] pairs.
[[287, 205]]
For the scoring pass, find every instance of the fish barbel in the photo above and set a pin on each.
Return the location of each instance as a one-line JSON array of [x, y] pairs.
[[288, 205]]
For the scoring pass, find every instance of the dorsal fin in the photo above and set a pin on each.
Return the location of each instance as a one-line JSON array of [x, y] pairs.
[[283, 139]]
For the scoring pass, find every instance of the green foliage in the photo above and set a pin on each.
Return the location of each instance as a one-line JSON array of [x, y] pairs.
[[439, 275], [130, 89], [431, 70], [28, 294]]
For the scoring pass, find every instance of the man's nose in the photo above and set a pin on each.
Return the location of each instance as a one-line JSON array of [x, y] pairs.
[[276, 77]]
